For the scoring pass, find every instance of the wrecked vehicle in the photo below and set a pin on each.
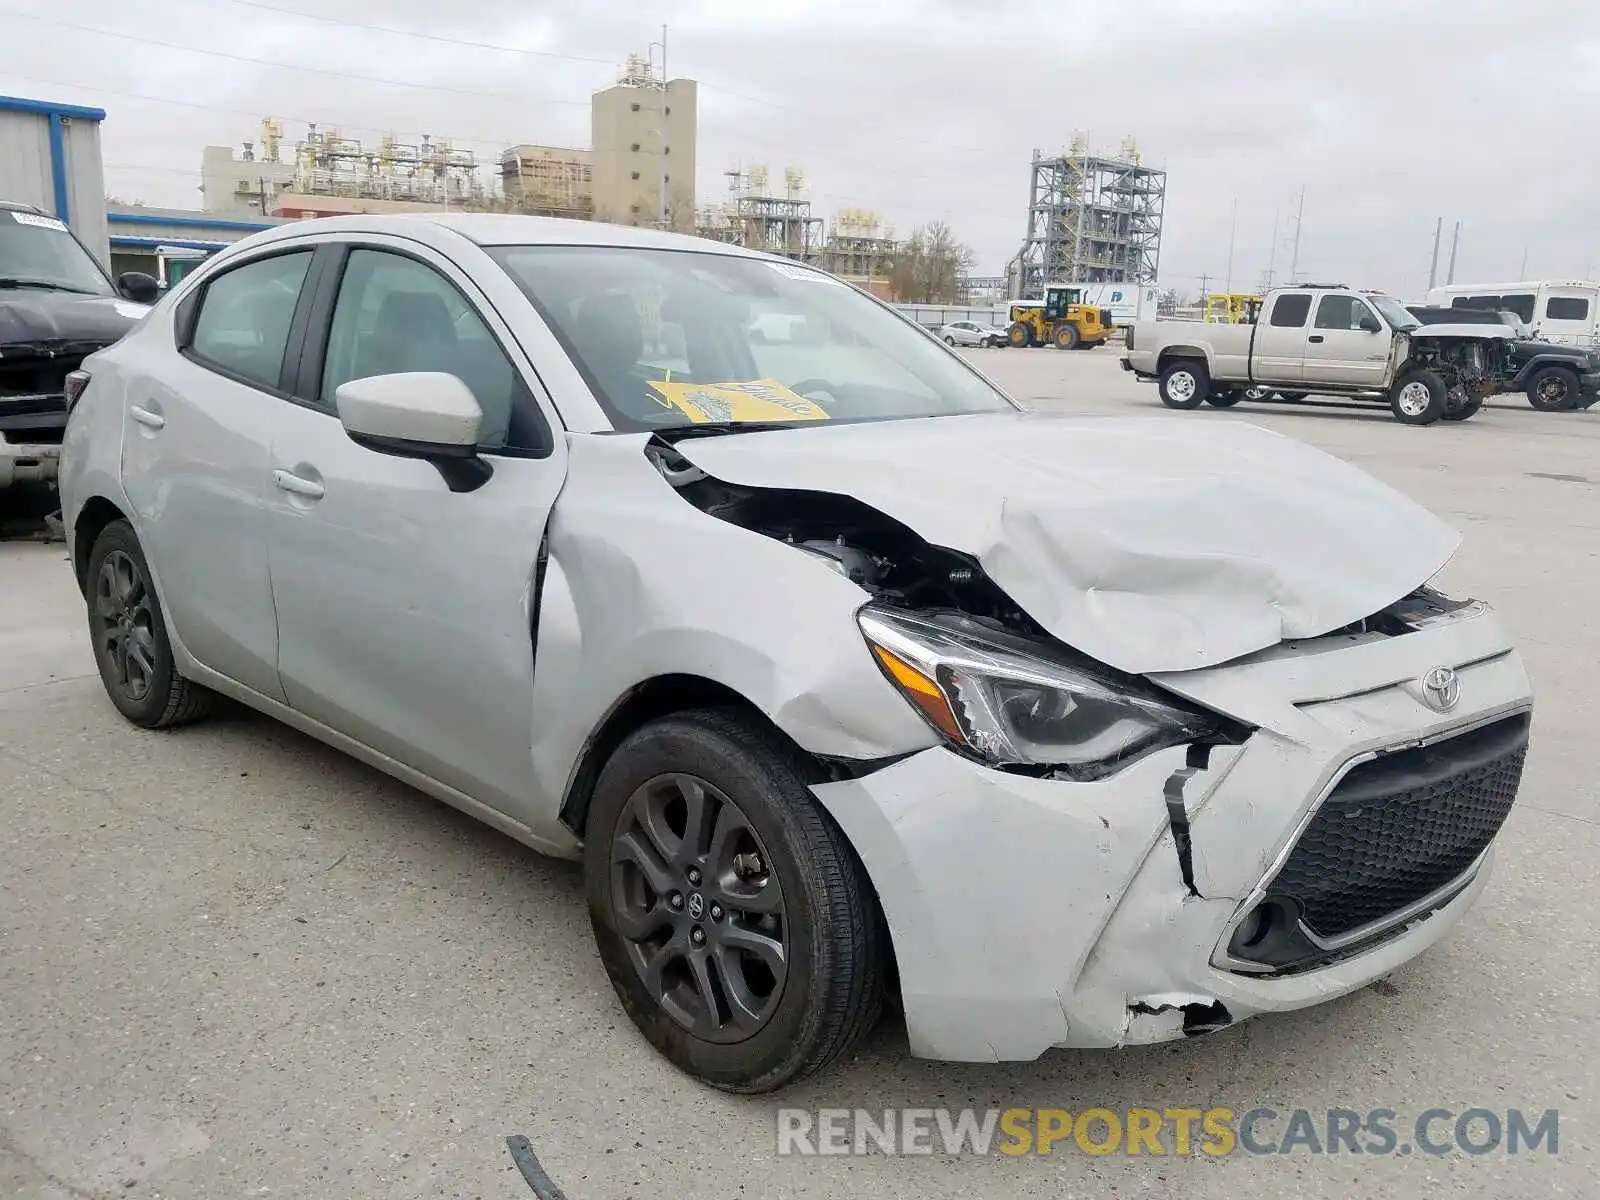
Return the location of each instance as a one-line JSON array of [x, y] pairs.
[[56, 305], [843, 676], [1555, 377], [1331, 340]]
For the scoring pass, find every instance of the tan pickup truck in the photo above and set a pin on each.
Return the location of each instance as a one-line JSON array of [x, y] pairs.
[[1331, 340]]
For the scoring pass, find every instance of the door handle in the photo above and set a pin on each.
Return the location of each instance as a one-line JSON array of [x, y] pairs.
[[147, 418], [292, 483], [1315, 337]]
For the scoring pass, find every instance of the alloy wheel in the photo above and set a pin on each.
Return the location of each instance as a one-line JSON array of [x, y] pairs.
[[695, 896], [1414, 399], [125, 624]]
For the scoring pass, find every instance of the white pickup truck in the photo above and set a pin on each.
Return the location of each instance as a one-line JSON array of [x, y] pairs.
[[1331, 340]]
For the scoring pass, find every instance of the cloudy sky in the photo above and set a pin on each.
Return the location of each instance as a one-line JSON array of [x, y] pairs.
[[1388, 114]]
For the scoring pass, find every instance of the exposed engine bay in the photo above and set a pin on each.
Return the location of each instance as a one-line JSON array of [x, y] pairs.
[[1471, 368]]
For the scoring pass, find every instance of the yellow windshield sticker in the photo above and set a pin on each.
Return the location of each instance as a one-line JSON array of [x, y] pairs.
[[761, 400]]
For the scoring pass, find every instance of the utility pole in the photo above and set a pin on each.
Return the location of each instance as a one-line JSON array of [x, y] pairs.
[[1455, 241], [1433, 269], [1233, 234], [1299, 220], [664, 218], [1272, 253]]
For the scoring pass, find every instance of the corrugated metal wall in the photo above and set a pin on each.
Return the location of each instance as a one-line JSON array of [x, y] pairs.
[[25, 159], [27, 173], [86, 184]]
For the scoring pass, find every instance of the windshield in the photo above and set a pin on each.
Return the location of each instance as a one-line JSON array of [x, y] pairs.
[[1397, 314], [670, 338], [37, 251]]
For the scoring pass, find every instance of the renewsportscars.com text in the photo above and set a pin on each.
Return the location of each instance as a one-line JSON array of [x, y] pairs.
[[1168, 1131]]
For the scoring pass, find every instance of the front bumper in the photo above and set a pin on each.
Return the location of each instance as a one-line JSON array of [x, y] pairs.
[[30, 437], [1032, 913]]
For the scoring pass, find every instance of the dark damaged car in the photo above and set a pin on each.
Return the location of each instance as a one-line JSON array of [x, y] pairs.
[[844, 677], [1554, 377], [57, 305]]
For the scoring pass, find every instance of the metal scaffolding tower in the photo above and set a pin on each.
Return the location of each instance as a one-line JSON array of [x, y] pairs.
[[1091, 219], [757, 220]]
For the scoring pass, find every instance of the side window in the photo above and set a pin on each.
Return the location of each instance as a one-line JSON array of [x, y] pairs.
[[1566, 308], [395, 314], [1291, 311], [244, 318], [1521, 304], [1337, 312]]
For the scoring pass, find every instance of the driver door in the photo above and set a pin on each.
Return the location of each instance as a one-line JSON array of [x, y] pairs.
[[404, 609]]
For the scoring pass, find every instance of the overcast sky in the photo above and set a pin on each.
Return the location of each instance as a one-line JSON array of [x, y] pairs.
[[1389, 115]]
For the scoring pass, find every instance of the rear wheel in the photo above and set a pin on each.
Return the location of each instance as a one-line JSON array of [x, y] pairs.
[[1184, 384], [131, 645], [1553, 389], [948, 340], [1067, 337], [1418, 398], [1020, 334], [737, 926]]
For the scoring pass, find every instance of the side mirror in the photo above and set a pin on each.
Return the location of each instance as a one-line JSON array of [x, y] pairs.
[[418, 414], [1369, 324], [139, 287]]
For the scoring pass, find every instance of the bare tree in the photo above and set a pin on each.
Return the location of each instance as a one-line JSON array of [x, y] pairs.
[[928, 266]]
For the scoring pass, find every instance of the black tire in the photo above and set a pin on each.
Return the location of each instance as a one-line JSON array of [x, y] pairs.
[[1020, 335], [948, 340], [1067, 337], [1553, 389], [1185, 384], [129, 635], [1225, 399], [1293, 395], [835, 939], [1418, 398], [1464, 411]]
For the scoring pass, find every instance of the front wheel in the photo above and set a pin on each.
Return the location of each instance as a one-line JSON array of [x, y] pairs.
[[1184, 384], [1293, 395], [1068, 337], [1464, 411], [738, 928], [1020, 335], [1418, 398], [131, 645], [1225, 399], [1553, 389]]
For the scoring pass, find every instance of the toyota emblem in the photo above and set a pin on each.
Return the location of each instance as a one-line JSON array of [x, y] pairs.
[[1441, 689]]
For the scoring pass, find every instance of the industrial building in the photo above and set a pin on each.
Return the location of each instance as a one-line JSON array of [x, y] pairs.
[[50, 158], [1091, 219], [548, 181], [643, 138]]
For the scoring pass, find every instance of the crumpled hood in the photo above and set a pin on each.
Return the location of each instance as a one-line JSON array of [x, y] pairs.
[[29, 316], [1152, 544]]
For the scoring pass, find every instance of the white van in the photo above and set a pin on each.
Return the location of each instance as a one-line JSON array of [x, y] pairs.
[[1554, 310]]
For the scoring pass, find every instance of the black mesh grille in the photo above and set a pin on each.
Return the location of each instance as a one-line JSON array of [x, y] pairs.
[[1403, 826]]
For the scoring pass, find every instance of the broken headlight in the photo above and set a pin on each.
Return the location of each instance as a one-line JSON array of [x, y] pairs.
[[1015, 702]]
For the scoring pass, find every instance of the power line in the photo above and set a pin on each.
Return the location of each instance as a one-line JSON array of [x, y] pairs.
[[428, 37], [268, 62]]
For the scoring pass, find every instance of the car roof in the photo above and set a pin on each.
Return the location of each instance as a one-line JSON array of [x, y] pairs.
[[18, 206], [504, 229]]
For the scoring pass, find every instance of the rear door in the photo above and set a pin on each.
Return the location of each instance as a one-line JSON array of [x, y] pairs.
[[404, 609], [1339, 351], [1280, 339], [198, 425], [1566, 315]]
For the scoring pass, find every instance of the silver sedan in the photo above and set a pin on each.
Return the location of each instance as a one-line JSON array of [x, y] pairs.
[[970, 333]]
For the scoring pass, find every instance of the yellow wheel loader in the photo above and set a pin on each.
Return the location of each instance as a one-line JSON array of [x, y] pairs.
[[1060, 319]]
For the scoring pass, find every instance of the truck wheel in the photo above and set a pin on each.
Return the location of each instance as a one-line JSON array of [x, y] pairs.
[[1225, 399], [1293, 395], [1465, 411], [1418, 398], [1185, 384], [1553, 389], [1067, 337], [1019, 335], [739, 929]]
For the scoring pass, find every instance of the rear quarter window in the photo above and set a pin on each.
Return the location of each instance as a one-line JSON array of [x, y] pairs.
[[1290, 312], [1566, 308]]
